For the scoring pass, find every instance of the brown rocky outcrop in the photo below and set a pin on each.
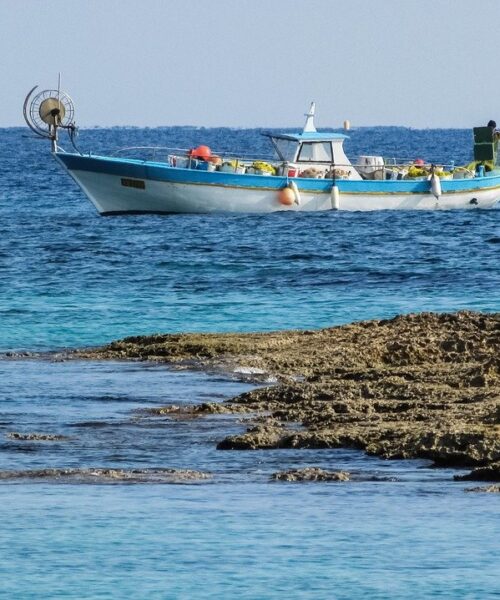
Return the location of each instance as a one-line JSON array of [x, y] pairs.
[[424, 385]]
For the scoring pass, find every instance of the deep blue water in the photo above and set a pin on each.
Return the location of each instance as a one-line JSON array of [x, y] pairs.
[[70, 278]]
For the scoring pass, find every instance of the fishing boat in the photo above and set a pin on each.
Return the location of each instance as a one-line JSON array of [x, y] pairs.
[[310, 172]]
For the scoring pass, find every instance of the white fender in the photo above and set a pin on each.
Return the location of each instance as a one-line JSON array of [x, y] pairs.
[[296, 192], [436, 186], [335, 196]]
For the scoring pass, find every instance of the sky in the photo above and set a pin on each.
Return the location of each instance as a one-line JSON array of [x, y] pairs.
[[251, 63]]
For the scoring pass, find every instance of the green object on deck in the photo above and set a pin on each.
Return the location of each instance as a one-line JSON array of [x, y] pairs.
[[483, 135], [484, 152], [485, 144]]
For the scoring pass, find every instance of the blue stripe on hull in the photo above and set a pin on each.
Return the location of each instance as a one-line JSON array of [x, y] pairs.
[[161, 172]]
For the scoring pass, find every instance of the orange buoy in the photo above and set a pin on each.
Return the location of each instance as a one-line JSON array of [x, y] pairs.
[[202, 152], [286, 196]]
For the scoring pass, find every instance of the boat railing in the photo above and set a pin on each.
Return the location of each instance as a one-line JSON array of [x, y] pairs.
[[398, 161], [162, 153], [446, 164], [242, 162], [154, 153], [377, 167]]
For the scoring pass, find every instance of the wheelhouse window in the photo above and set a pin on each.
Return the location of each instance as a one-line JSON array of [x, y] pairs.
[[285, 148], [315, 152]]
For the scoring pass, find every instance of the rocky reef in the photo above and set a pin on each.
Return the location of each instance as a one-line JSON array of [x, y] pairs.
[[416, 386], [489, 489], [490, 472], [103, 475], [36, 437], [311, 474]]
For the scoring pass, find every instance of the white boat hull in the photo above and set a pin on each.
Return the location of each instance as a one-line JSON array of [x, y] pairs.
[[113, 193]]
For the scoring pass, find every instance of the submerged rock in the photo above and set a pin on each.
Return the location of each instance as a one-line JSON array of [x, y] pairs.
[[488, 473], [104, 475], [37, 437], [490, 489], [311, 474]]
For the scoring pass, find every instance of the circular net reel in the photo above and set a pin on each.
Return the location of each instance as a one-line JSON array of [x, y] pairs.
[[47, 111]]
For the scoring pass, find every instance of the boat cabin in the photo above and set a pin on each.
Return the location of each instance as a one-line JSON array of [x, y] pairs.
[[312, 153]]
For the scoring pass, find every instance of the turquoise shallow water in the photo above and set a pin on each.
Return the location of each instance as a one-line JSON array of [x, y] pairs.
[[69, 278], [400, 529], [227, 541]]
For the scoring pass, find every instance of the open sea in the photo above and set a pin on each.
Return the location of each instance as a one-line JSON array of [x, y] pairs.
[[69, 278]]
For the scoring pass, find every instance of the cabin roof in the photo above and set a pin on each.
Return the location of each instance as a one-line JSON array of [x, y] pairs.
[[308, 136]]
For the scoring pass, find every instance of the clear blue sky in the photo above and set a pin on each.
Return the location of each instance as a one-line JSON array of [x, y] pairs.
[[420, 63]]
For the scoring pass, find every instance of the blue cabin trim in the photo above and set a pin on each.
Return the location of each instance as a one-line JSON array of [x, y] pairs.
[[308, 136]]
